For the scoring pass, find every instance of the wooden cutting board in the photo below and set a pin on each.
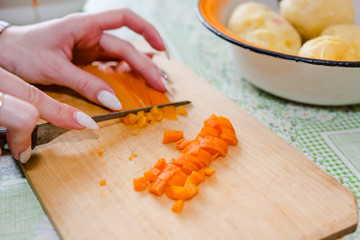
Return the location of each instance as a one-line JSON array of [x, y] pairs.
[[262, 189]]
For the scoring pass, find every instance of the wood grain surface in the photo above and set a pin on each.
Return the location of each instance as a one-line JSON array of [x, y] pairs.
[[262, 189]]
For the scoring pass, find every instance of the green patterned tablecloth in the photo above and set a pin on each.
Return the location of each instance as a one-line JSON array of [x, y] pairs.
[[329, 136]]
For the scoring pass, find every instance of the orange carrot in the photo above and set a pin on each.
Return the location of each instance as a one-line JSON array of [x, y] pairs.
[[102, 183], [178, 206], [169, 112], [172, 136], [181, 110]]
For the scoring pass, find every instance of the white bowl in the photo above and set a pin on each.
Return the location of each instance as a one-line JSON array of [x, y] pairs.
[[291, 77], [20, 12]]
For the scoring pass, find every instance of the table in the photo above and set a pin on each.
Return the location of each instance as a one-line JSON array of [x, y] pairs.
[[329, 136]]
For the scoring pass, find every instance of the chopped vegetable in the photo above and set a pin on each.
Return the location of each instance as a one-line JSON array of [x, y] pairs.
[[178, 206], [181, 110], [172, 136], [179, 178], [169, 112], [102, 183]]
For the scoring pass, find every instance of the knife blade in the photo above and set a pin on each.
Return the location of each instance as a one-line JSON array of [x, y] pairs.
[[46, 132]]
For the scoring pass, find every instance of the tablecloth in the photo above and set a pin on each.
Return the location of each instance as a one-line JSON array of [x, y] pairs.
[[329, 136]]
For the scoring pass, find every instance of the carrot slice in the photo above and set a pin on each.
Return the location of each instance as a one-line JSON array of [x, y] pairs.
[[172, 136]]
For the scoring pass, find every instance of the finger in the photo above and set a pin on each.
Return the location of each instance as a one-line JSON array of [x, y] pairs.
[[117, 18], [88, 85], [59, 114], [138, 61], [19, 118]]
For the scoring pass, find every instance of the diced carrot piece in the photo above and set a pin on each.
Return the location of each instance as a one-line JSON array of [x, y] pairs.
[[179, 161], [140, 184], [140, 114], [208, 131], [209, 172], [184, 143], [126, 120], [142, 122], [133, 118], [178, 206], [102, 183], [181, 110], [195, 178], [224, 122], [192, 148], [157, 113], [169, 112], [213, 145], [204, 157], [229, 139], [182, 193], [178, 179], [160, 164], [193, 159], [158, 186], [172, 136], [149, 118], [212, 121], [189, 167]]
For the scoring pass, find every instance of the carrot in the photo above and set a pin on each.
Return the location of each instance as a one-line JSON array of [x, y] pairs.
[[182, 193], [158, 186], [179, 178], [102, 183], [184, 143], [209, 172], [172, 136], [169, 112], [213, 145], [178, 206], [181, 110], [208, 131]]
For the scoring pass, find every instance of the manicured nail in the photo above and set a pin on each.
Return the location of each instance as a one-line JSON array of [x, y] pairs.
[[165, 75], [166, 85], [109, 100], [25, 155], [85, 120]]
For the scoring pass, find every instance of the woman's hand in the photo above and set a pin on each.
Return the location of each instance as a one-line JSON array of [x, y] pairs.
[[45, 53], [21, 105]]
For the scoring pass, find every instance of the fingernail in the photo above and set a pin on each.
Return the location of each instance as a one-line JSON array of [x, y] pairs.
[[25, 155], [166, 85], [165, 75], [85, 120], [109, 100]]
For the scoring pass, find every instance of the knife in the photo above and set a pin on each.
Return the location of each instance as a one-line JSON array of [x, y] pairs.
[[45, 132]]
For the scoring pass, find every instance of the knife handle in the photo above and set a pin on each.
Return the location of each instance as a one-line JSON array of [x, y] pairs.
[[3, 140]]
